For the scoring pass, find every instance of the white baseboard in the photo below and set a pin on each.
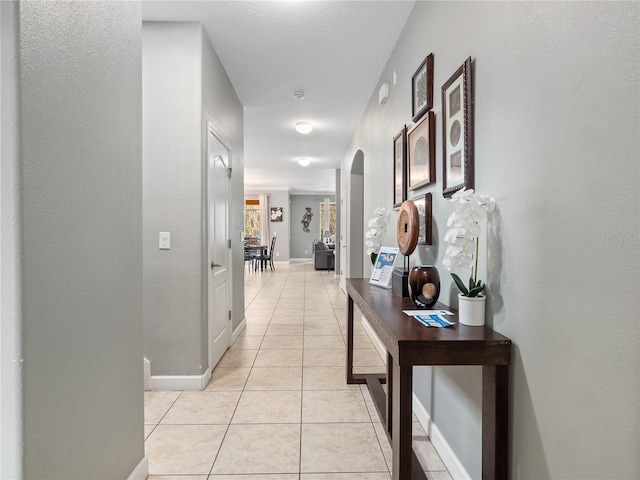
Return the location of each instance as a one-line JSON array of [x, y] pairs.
[[147, 374], [239, 329], [377, 343], [449, 458], [141, 472], [181, 382]]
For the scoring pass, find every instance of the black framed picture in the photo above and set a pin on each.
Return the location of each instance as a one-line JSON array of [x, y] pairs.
[[422, 88], [424, 204], [400, 168], [421, 152], [276, 214], [457, 131]]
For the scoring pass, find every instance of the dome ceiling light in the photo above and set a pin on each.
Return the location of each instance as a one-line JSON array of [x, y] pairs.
[[303, 127], [298, 94], [304, 162]]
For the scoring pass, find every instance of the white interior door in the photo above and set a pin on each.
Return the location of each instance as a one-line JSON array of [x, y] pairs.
[[218, 258]]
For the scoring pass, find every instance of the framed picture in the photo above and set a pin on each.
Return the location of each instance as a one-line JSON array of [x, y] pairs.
[[421, 152], [276, 214], [383, 269], [424, 206], [422, 88], [400, 168], [457, 131]]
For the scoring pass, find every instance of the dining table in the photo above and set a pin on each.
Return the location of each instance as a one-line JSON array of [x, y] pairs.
[[258, 251]]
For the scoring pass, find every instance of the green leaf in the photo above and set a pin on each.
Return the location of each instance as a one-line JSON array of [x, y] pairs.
[[460, 285], [474, 292]]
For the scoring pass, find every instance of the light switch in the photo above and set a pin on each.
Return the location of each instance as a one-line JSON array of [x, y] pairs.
[[165, 240]]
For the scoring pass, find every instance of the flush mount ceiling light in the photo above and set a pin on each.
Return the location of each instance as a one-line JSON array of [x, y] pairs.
[[298, 94], [303, 127], [304, 162]]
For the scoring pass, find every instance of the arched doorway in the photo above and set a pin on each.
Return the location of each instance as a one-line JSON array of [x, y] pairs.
[[353, 252]]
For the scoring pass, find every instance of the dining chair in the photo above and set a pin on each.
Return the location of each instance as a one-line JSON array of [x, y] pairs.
[[267, 257]]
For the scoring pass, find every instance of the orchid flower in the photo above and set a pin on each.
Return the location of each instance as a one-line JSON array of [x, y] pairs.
[[462, 237], [377, 227]]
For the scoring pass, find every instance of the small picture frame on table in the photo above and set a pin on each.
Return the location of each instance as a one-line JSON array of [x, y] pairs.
[[424, 204], [422, 89], [421, 152], [457, 131], [400, 168], [383, 268]]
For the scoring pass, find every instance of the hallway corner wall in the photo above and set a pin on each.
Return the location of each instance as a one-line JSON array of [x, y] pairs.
[[11, 381], [172, 199], [184, 87], [221, 106], [81, 247]]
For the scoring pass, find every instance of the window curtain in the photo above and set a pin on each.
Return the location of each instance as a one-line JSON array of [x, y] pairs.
[[265, 218]]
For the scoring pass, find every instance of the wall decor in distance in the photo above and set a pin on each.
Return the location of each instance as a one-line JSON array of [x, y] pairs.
[[422, 89], [276, 214], [457, 131], [421, 152], [400, 168], [306, 219]]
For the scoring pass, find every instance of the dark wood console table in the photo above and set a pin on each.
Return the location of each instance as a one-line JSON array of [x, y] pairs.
[[409, 343]]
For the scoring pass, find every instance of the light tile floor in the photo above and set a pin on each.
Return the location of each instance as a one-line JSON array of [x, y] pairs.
[[277, 406]]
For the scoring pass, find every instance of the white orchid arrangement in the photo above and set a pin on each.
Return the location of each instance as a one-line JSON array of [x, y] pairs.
[[376, 228], [462, 237]]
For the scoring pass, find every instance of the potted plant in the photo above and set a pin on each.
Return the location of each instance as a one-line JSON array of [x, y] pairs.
[[376, 228], [462, 251]]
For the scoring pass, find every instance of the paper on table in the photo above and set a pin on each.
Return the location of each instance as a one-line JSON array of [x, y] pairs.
[[433, 320], [413, 313]]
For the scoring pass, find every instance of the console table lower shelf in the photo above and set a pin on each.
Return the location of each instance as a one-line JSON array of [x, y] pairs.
[[409, 343]]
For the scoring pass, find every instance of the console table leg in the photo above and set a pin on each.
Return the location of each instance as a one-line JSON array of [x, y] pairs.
[[350, 378], [495, 418], [401, 416], [389, 412]]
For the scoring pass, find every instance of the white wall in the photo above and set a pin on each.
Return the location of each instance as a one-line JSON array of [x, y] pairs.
[[184, 86], [221, 107], [278, 198], [172, 197], [11, 418], [301, 241], [556, 127], [81, 251]]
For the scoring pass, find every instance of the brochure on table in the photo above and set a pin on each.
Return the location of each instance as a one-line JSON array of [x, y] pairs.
[[383, 268]]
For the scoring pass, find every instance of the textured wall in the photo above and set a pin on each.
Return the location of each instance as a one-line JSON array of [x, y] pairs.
[[11, 420], [172, 197], [184, 87], [556, 125], [81, 238], [221, 107]]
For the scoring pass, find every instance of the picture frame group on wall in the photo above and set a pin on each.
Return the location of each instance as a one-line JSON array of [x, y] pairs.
[[422, 89], [421, 150], [400, 168], [424, 204], [457, 131]]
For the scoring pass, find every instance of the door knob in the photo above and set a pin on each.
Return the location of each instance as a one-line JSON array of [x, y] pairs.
[[213, 265]]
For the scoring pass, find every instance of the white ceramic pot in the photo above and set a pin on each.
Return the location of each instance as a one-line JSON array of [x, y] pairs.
[[471, 310]]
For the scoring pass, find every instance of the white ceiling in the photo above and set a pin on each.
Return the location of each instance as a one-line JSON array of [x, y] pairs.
[[334, 51]]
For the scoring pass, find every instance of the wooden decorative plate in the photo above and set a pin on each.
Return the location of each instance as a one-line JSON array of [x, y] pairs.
[[408, 227]]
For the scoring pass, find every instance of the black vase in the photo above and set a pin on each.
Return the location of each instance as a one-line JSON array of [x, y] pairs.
[[424, 286]]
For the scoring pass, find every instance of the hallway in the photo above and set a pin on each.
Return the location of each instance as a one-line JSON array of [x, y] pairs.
[[277, 406]]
